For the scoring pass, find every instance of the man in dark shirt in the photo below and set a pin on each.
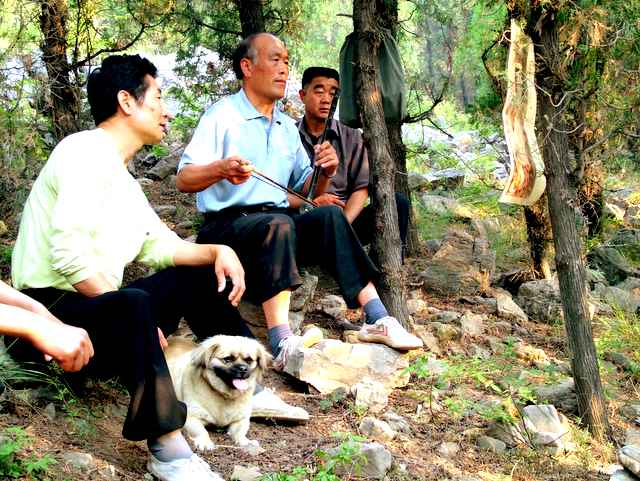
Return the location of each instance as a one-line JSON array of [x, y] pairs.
[[349, 188]]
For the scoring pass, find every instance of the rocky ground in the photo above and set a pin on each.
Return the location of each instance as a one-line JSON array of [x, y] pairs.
[[490, 398]]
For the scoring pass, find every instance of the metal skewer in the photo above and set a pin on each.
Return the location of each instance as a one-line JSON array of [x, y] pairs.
[[269, 181]]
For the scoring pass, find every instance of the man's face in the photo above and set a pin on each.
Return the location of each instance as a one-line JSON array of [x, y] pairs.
[[267, 77], [149, 117], [317, 97]]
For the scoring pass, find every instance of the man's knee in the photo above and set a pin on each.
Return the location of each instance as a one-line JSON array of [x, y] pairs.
[[133, 301], [279, 228]]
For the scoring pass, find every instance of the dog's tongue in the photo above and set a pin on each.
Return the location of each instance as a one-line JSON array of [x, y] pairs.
[[240, 384]]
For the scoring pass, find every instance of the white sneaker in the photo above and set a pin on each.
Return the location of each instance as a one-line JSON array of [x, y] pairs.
[[390, 332], [187, 469], [291, 344], [267, 404]]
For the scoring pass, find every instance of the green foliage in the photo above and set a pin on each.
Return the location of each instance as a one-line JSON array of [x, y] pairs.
[[12, 465], [620, 333]]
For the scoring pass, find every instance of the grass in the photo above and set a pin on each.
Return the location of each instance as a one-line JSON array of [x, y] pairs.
[[13, 464]]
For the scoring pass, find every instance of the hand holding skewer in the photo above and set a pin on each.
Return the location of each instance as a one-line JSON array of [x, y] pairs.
[[236, 169]]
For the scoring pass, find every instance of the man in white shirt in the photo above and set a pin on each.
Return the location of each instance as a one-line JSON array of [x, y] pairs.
[[84, 220]]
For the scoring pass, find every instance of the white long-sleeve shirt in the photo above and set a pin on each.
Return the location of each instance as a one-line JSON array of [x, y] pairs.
[[87, 215]]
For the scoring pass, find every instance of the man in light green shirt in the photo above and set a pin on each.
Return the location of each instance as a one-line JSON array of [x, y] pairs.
[[84, 220]]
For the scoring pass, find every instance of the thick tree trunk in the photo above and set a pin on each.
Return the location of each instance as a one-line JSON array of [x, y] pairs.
[[571, 271], [251, 16], [540, 238], [64, 97], [386, 241]]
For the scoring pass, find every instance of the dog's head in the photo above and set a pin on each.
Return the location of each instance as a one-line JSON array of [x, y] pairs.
[[231, 364]]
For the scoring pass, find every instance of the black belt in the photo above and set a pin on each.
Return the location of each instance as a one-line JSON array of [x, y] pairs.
[[241, 210]]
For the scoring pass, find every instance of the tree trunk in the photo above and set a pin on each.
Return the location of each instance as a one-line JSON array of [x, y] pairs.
[[64, 97], [591, 194], [386, 241], [251, 16], [540, 238], [571, 271]]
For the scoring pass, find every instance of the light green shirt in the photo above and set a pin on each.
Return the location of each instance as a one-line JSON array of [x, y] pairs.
[[87, 215]]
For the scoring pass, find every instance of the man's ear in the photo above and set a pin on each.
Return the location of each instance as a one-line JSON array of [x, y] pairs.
[[302, 93], [246, 66], [126, 101]]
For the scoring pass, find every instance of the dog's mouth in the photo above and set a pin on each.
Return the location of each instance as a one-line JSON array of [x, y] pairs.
[[240, 384], [235, 377]]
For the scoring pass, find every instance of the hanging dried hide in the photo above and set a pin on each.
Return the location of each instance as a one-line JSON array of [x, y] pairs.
[[526, 182]]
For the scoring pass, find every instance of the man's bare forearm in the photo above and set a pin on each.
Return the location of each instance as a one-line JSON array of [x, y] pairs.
[[94, 286], [190, 254], [355, 204], [196, 178]]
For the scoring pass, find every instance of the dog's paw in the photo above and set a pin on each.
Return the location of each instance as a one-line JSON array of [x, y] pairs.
[[252, 447], [203, 443]]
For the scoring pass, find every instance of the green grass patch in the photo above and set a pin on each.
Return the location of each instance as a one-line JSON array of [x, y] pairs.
[[13, 464]]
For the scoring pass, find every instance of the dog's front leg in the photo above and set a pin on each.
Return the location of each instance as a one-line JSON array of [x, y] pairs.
[[238, 433], [197, 432]]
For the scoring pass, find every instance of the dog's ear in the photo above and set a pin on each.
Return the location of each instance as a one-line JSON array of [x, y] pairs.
[[201, 354], [264, 358]]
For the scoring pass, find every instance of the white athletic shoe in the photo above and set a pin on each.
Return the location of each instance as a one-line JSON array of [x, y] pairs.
[[187, 469], [390, 332], [267, 404]]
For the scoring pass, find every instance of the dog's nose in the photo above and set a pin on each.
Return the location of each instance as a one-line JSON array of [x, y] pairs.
[[242, 368]]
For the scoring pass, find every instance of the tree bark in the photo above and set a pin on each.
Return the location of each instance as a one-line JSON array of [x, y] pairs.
[[540, 238], [251, 16], [386, 241], [65, 104], [569, 264]]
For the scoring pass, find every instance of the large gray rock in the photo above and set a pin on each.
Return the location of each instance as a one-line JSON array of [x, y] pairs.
[[540, 300], [463, 266], [632, 216], [622, 475], [472, 324], [397, 422], [506, 308], [630, 284], [333, 306], [562, 395], [376, 459], [301, 298], [630, 458], [491, 444], [618, 298], [445, 206], [612, 264], [446, 179], [547, 429], [632, 436], [627, 241], [376, 430], [164, 168], [372, 395], [333, 364], [79, 461]]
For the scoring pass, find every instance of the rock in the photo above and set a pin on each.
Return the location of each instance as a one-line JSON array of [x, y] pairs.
[[50, 411], [108, 472], [376, 430], [446, 179], [491, 444], [632, 216], [530, 354], [486, 227], [144, 182], [629, 457], [631, 411], [618, 298], [397, 422], [546, 428], [446, 332], [429, 340], [372, 395], [246, 473], [165, 210], [507, 433], [254, 316], [630, 284], [622, 475], [463, 266], [432, 246], [444, 206], [332, 305], [632, 436], [3, 228], [621, 360], [301, 298], [419, 182], [332, 364], [627, 241], [562, 395], [165, 167], [446, 317], [540, 300], [377, 461], [506, 308], [472, 324], [80, 461], [611, 263], [415, 306], [448, 450]]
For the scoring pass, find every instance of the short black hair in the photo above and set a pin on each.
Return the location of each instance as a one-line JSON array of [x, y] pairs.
[[313, 72], [117, 72], [245, 49]]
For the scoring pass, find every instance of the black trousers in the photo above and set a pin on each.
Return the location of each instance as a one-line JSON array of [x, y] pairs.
[[272, 243], [123, 326], [363, 225]]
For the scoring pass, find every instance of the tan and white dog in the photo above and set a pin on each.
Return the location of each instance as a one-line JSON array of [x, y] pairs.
[[216, 380]]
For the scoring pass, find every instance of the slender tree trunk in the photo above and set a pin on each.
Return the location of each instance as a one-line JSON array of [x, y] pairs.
[[251, 16], [64, 97], [571, 271], [540, 238], [386, 241], [387, 14]]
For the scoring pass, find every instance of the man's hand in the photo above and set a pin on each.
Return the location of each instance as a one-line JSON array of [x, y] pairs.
[[226, 265], [329, 199], [163, 340], [235, 169], [69, 346], [326, 158]]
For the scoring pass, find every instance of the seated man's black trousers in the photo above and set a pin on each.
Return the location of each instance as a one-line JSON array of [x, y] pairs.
[[123, 327], [364, 224], [272, 243]]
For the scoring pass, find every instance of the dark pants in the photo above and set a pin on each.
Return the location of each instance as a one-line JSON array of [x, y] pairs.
[[272, 243], [123, 326], [364, 225]]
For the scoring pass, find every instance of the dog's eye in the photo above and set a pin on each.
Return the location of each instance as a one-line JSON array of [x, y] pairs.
[[248, 360], [228, 359]]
